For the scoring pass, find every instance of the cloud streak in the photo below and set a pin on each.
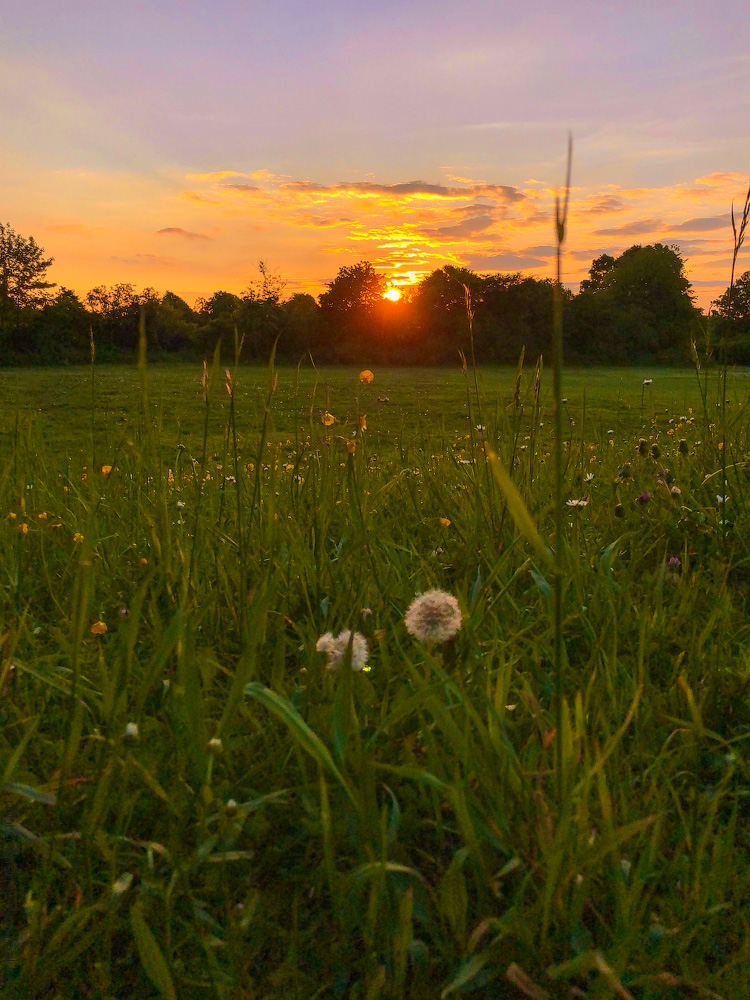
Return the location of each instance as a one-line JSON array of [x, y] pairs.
[[184, 233]]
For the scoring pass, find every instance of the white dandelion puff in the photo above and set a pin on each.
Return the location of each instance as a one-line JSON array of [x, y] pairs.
[[433, 616], [335, 648]]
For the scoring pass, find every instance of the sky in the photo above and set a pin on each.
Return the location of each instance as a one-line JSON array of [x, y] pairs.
[[173, 145]]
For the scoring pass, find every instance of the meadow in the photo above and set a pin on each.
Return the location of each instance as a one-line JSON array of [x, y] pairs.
[[194, 805]]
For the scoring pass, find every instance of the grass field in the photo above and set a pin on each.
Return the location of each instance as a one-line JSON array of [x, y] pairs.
[[193, 805]]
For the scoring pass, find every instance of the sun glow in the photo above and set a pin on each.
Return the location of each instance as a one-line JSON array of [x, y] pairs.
[[393, 294]]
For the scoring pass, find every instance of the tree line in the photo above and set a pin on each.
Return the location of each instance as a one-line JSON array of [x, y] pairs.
[[633, 309]]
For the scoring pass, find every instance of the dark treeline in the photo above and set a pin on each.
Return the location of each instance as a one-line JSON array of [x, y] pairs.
[[633, 309]]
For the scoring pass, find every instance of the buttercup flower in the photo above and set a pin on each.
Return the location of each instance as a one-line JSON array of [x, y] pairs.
[[335, 648], [433, 616], [98, 628], [328, 419], [366, 376], [445, 522]]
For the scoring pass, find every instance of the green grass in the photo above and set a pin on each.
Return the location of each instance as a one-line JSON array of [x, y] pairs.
[[418, 829]]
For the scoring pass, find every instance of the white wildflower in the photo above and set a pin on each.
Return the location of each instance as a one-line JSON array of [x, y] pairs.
[[131, 731], [433, 616]]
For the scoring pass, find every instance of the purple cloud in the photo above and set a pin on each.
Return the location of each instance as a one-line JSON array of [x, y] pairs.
[[177, 231]]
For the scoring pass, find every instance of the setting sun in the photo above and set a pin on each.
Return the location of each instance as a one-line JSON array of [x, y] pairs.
[[393, 294]]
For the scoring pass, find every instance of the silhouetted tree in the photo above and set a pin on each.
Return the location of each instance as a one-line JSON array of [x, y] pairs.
[[636, 307], [731, 320], [115, 317], [347, 311], [23, 288]]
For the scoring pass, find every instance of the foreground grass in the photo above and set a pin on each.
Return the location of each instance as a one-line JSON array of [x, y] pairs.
[[267, 828]]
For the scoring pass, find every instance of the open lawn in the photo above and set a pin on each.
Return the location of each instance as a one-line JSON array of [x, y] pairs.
[[193, 805]]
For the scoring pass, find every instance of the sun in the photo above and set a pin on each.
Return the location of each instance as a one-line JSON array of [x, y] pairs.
[[393, 294]]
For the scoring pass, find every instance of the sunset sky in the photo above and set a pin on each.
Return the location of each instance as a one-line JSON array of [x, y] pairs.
[[174, 145]]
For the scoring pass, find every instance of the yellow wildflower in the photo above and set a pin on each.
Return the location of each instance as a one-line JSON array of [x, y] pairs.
[[445, 522], [106, 469], [363, 422], [143, 561], [42, 516], [351, 446], [328, 419], [78, 537], [721, 445], [11, 516], [366, 376], [23, 529], [98, 628]]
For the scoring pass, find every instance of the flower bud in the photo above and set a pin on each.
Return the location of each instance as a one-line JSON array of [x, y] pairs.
[[682, 446], [643, 446], [619, 510], [655, 450]]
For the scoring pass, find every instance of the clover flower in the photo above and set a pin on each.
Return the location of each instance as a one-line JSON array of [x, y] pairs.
[[335, 648], [433, 616], [674, 562]]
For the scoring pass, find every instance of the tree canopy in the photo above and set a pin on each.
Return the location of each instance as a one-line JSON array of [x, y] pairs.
[[633, 308]]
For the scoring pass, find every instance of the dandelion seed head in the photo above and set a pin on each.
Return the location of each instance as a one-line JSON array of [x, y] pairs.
[[433, 616], [335, 648]]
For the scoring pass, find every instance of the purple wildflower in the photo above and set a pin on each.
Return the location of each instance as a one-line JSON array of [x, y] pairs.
[[674, 562], [643, 499]]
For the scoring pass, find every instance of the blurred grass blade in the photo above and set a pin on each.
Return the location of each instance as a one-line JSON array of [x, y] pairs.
[[152, 959], [308, 740], [518, 510]]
